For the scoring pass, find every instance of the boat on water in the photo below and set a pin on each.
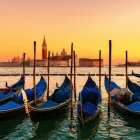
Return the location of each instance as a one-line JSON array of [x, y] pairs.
[[123, 100], [10, 91], [16, 104], [89, 98], [56, 103]]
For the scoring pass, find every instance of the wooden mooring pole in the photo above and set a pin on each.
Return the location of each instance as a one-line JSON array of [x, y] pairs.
[[74, 76], [34, 80], [71, 85], [126, 66], [100, 65], [110, 53], [24, 69], [48, 69]]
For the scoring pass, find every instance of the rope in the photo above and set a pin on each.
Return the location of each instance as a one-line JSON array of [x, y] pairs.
[[25, 100]]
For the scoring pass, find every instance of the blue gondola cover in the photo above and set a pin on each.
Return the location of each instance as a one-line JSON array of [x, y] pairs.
[[9, 105], [134, 106], [90, 94], [88, 109], [61, 97], [48, 104], [2, 96], [63, 93]]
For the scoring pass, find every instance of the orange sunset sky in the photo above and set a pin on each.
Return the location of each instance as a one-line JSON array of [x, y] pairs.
[[89, 24]]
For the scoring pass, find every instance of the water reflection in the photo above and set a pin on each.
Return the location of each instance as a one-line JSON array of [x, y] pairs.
[[129, 120], [25, 130], [9, 126], [48, 127], [88, 131]]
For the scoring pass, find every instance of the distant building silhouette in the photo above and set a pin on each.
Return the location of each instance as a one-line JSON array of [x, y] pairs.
[[87, 62], [16, 59], [57, 59], [131, 64]]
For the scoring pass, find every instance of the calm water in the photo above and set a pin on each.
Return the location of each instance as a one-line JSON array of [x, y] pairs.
[[62, 128]]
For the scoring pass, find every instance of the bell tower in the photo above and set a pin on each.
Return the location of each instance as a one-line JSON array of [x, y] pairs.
[[44, 49]]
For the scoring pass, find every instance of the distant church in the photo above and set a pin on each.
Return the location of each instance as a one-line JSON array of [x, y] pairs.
[[44, 49], [55, 60]]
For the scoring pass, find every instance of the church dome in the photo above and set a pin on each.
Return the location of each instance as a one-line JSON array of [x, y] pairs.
[[63, 53]]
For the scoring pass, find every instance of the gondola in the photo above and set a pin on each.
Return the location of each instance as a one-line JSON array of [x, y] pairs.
[[16, 105], [125, 105], [89, 97], [56, 103], [10, 91], [135, 74]]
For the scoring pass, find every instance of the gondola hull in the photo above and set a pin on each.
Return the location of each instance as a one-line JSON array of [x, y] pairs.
[[11, 113], [85, 120], [41, 114], [121, 108]]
